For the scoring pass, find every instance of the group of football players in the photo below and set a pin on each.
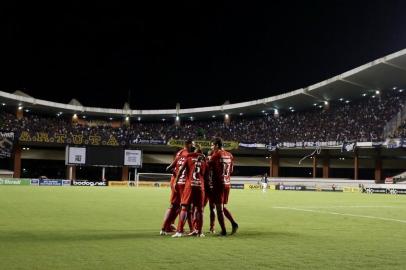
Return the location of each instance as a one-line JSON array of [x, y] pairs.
[[198, 180]]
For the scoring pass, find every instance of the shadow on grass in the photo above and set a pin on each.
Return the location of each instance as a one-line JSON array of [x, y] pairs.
[[103, 235]]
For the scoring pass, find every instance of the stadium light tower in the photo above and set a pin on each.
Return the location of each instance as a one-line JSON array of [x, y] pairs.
[[177, 120]]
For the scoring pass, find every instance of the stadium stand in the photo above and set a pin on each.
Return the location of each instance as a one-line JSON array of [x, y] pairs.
[[361, 120]]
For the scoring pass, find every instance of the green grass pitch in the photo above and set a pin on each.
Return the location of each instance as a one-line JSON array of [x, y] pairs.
[[117, 228]]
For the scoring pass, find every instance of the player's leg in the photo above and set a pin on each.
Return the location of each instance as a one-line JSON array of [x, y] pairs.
[[171, 213], [218, 201], [190, 218], [227, 212], [185, 203], [212, 217], [198, 202]]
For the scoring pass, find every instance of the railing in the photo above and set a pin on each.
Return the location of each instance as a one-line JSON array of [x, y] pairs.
[[395, 122]]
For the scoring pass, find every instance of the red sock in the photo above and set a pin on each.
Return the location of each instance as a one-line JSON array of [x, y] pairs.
[[212, 218], [190, 219], [199, 221], [166, 218], [182, 219], [220, 217], [173, 213], [228, 215]]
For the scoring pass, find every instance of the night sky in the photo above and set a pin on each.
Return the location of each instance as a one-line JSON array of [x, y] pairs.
[[193, 52]]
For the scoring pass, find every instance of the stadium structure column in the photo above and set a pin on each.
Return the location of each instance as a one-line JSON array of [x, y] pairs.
[[71, 172], [356, 164], [326, 164], [274, 164], [17, 161], [378, 167], [124, 174], [314, 166]]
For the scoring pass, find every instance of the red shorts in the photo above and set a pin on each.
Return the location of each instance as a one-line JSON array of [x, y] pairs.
[[176, 195], [193, 195], [220, 195]]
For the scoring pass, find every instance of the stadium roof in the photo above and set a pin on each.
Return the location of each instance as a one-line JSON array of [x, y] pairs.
[[383, 73]]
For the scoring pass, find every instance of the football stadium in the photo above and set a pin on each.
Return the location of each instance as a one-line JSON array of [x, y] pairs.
[[303, 178]]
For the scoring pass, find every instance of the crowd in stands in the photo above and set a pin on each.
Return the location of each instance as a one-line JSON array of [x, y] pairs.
[[361, 120]]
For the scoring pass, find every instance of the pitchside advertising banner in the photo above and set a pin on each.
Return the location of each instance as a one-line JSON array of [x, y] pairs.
[[15, 181], [85, 183], [53, 182], [385, 189]]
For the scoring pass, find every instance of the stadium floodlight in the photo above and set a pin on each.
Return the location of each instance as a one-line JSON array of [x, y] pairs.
[[263, 111], [401, 90], [314, 104], [276, 111], [127, 118], [320, 106], [395, 87], [341, 99], [20, 108], [347, 101], [364, 94], [84, 116], [290, 108], [241, 114], [177, 118], [3, 104], [191, 118], [26, 110], [226, 116], [325, 102], [373, 96], [213, 116], [111, 118], [163, 119], [377, 92], [139, 118]]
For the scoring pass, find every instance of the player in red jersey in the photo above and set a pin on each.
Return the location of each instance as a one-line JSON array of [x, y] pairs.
[[193, 194], [177, 187], [221, 164], [208, 194]]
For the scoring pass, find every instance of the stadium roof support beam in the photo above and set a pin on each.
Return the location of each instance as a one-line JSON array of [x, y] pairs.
[[394, 66], [355, 83]]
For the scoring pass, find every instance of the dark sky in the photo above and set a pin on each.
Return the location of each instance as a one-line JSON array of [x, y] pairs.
[[196, 53]]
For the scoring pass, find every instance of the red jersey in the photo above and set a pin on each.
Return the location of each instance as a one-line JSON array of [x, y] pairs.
[[221, 164], [180, 159], [195, 168]]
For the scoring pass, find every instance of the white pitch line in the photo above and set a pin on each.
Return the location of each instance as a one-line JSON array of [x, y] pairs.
[[348, 206], [339, 214]]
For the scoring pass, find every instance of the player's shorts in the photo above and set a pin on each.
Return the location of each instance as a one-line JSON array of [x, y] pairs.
[[220, 195], [264, 185], [176, 195], [193, 195]]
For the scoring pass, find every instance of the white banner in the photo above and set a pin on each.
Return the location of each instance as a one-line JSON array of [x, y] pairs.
[[133, 158], [76, 155]]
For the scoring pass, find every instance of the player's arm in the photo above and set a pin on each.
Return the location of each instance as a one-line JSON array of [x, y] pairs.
[[172, 165]]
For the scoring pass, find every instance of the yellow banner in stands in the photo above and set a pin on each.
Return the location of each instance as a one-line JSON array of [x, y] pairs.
[[227, 145]]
